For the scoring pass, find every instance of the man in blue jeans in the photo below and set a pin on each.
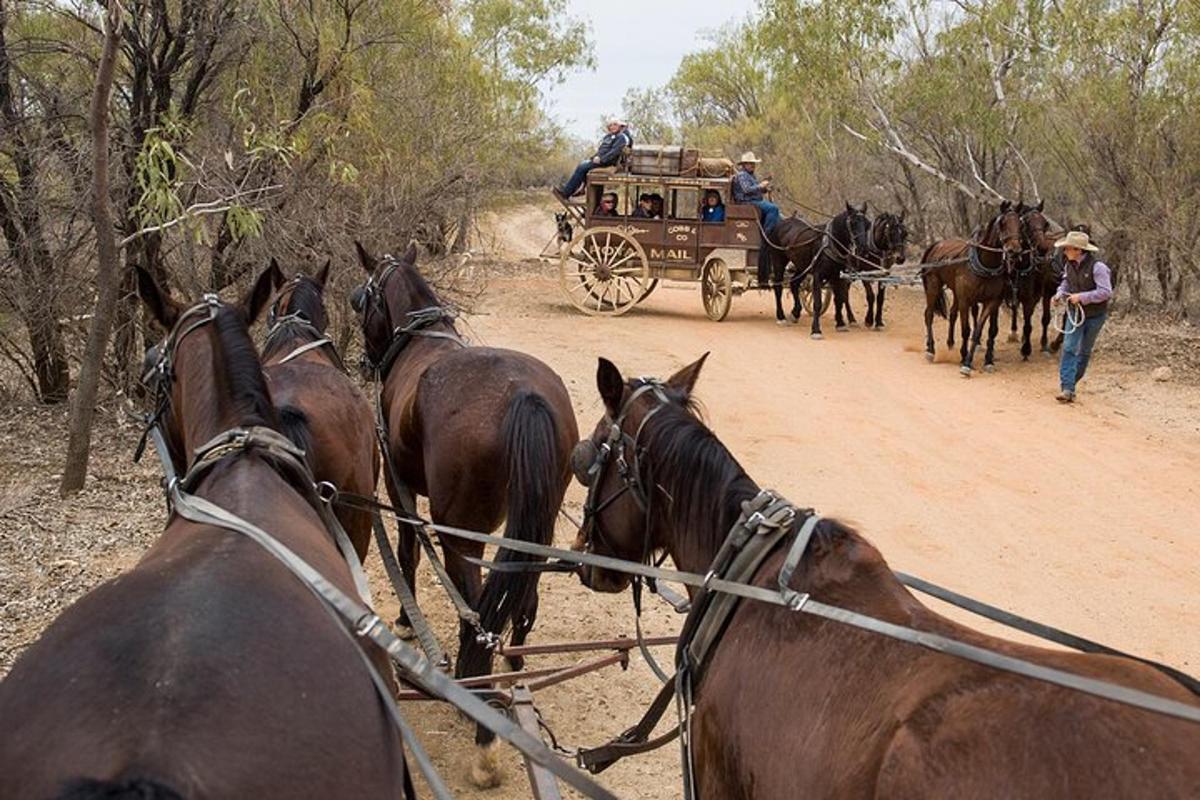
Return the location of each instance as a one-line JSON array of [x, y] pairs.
[[608, 153], [1087, 287], [749, 189]]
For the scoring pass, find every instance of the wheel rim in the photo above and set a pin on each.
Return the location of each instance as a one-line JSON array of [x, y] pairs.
[[716, 290], [604, 272]]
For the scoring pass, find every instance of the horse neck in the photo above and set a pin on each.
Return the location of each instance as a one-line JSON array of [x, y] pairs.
[[286, 336], [695, 498], [989, 254], [205, 407], [841, 567]]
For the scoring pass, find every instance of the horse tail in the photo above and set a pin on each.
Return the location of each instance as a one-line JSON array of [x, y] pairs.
[[534, 497], [293, 423], [927, 279], [132, 789]]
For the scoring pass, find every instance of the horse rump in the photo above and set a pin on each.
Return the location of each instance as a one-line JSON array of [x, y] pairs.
[[131, 789], [534, 495]]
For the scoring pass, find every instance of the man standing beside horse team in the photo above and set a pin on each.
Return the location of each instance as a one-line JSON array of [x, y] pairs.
[[1086, 287]]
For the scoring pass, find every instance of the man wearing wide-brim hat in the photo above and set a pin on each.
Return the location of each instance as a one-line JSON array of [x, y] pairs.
[[749, 189], [1086, 287], [612, 146]]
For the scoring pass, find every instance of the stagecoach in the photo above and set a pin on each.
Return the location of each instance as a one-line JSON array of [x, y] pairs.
[[609, 264]]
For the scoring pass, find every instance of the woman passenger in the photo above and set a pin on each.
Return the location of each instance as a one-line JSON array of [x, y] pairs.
[[714, 209]]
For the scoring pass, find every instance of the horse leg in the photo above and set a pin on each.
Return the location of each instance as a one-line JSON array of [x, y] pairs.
[[953, 318], [1012, 332], [850, 320], [522, 625], [993, 320], [778, 290], [816, 305], [1027, 307], [1046, 324], [931, 291], [797, 306], [965, 351], [879, 324], [841, 299]]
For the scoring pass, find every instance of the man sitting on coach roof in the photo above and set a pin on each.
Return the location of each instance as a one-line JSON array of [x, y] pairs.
[[749, 189], [607, 154]]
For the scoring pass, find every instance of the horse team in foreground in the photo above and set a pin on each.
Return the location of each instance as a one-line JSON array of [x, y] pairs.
[[208, 671]]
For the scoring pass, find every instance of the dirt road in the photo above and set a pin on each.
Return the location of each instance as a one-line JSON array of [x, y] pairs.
[[1085, 517]]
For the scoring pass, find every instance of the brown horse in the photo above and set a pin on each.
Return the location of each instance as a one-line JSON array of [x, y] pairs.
[[484, 433], [791, 703], [208, 670], [1035, 280], [977, 273], [796, 241], [321, 408]]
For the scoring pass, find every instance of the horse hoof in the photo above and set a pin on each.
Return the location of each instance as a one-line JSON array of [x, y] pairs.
[[854, 323], [485, 769], [880, 326], [989, 367], [965, 371], [843, 328], [794, 320], [783, 323], [817, 336], [929, 356]]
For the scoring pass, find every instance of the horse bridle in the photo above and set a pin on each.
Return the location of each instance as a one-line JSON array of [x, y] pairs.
[[589, 463], [160, 375], [371, 296], [277, 320]]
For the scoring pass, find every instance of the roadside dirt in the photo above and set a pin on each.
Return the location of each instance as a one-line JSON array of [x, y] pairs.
[[1085, 517]]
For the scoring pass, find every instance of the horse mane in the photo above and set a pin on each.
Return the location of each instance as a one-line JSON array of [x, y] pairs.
[[242, 371], [418, 288]]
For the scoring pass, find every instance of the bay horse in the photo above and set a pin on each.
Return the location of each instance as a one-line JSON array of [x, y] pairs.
[[485, 433], [885, 249], [322, 409], [207, 670], [789, 702], [976, 272], [1035, 280]]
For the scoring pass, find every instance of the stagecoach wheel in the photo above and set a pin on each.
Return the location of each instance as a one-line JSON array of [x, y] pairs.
[[806, 296], [649, 290], [716, 289], [604, 272]]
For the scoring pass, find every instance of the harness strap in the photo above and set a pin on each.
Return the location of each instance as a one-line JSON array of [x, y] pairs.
[[305, 348], [636, 739], [416, 618]]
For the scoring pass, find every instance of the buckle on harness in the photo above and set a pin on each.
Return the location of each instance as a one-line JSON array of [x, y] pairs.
[[366, 623], [326, 491]]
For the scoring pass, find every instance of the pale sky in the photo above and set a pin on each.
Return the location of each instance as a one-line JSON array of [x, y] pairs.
[[637, 43]]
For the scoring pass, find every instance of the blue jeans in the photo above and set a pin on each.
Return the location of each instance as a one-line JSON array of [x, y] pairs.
[[1077, 351], [770, 213], [577, 177]]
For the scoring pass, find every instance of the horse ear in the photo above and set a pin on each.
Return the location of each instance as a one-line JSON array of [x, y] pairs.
[[1005, 206], [611, 386], [685, 379], [260, 293], [903, 211], [864, 208], [1041, 206], [849, 208], [366, 259], [323, 274], [277, 278], [410, 255], [162, 306]]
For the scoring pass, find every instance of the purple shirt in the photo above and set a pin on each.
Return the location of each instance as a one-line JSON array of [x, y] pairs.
[[1100, 294]]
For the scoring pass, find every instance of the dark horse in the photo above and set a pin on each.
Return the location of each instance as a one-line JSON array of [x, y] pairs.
[[977, 273], [790, 702], [885, 249], [322, 409], [484, 433], [821, 253], [208, 670], [1034, 280]]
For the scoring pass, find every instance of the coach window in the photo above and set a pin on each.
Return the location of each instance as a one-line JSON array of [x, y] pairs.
[[685, 203]]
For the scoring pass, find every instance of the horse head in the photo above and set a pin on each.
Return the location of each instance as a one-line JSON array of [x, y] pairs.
[[300, 298], [1005, 233], [205, 375], [889, 236], [390, 299], [618, 516]]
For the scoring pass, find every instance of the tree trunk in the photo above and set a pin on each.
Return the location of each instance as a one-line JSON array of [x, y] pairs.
[[107, 266]]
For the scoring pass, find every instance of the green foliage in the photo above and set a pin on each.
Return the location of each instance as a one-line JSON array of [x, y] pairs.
[[648, 114]]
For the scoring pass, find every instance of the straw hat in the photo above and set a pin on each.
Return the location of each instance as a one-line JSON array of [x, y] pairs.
[[1077, 239], [615, 121], [748, 157]]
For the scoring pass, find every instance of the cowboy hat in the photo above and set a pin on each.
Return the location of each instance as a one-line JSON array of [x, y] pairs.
[[748, 157], [1078, 240], [615, 121]]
